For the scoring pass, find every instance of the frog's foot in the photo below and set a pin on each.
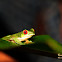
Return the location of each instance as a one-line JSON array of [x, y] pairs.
[[28, 42]]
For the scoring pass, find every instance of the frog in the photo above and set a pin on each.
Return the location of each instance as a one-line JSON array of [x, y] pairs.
[[21, 37]]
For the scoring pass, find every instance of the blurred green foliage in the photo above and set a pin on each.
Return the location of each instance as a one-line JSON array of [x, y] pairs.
[[41, 42]]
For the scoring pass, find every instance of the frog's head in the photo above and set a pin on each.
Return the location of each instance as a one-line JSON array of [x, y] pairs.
[[27, 33]]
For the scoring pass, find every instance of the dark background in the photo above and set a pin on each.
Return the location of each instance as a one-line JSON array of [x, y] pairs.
[[42, 15]]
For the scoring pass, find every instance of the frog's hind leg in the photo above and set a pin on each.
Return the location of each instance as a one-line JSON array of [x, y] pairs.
[[11, 40]]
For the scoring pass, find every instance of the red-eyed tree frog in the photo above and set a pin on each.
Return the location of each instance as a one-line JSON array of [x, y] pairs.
[[21, 36]]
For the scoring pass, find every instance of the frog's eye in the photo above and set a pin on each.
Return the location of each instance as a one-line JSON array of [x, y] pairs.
[[25, 31], [33, 30]]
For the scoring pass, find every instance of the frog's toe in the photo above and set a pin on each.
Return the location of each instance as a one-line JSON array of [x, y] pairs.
[[28, 42]]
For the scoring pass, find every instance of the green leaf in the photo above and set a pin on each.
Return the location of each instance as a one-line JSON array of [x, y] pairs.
[[46, 43], [40, 42], [7, 45]]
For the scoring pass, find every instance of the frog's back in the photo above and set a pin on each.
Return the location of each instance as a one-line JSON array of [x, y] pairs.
[[16, 34]]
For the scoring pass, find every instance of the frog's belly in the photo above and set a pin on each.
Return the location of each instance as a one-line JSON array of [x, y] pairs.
[[24, 38]]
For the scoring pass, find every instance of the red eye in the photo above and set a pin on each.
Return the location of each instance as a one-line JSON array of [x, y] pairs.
[[25, 31], [33, 30]]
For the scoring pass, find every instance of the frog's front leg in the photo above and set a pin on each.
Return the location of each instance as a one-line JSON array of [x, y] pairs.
[[27, 41]]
